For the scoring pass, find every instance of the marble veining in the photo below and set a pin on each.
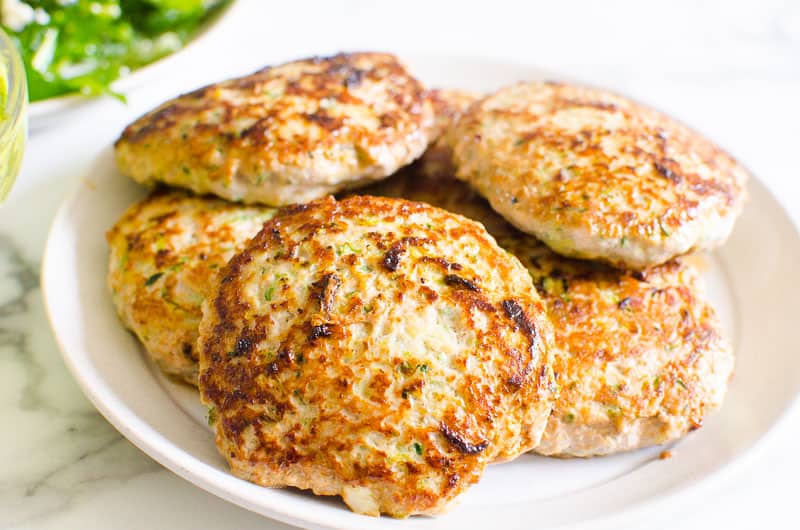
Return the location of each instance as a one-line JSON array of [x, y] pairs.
[[59, 445]]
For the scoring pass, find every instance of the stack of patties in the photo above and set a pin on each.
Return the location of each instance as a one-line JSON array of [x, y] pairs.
[[640, 354], [387, 350], [378, 349]]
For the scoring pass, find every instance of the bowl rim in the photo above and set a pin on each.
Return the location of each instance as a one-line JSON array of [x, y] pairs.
[[42, 108]]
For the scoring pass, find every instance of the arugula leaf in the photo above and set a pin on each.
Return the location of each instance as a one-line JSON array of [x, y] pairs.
[[85, 45]]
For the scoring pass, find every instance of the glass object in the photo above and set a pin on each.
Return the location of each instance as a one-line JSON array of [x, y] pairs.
[[13, 114]]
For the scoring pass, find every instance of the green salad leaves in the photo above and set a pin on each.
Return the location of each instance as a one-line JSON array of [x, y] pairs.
[[84, 45]]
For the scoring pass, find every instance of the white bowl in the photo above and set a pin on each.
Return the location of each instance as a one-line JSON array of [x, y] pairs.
[[46, 112]]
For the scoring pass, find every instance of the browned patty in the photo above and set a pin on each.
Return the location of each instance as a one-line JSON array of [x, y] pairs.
[[284, 134], [378, 349], [597, 176], [164, 253]]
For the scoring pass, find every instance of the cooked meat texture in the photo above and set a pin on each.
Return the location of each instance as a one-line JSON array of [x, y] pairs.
[[284, 134], [422, 184], [640, 356], [642, 359], [448, 106], [378, 349], [597, 176], [165, 252]]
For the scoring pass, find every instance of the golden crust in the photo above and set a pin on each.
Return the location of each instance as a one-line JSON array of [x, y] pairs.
[[164, 253], [640, 356], [284, 134], [597, 176], [378, 349]]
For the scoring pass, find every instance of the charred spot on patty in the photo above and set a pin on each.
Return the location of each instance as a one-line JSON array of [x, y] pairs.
[[457, 440], [322, 330], [391, 259], [458, 282], [325, 290], [665, 171], [515, 312], [186, 349]]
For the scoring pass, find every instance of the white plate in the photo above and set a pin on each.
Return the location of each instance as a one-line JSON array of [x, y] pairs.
[[748, 280], [44, 113]]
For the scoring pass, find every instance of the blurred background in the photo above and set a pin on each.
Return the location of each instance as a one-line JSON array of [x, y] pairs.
[[728, 68]]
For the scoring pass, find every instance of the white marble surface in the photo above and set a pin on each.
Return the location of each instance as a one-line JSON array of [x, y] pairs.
[[731, 69]]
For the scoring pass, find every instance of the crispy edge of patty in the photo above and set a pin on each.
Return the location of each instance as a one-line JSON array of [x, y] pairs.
[[655, 342], [154, 272]]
